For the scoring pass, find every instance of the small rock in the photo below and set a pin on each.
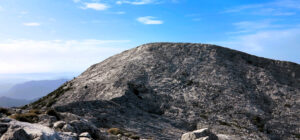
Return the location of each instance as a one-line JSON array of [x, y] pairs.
[[68, 136], [58, 124], [84, 138], [5, 120], [203, 138], [202, 134], [85, 134], [68, 128], [3, 128], [47, 120], [119, 135], [81, 126], [226, 137]]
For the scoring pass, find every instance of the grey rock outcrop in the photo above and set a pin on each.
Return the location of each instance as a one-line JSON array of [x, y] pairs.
[[199, 134], [15, 133], [27, 131], [67, 128], [59, 124], [162, 90]]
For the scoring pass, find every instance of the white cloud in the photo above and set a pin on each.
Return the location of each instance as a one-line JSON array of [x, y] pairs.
[[149, 20], [31, 56], [31, 24], [76, 1], [136, 2], [95, 6], [277, 44]]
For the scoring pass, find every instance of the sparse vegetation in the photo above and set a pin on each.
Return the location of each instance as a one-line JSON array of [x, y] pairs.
[[117, 131], [5, 111], [26, 117], [114, 131], [35, 111], [51, 98]]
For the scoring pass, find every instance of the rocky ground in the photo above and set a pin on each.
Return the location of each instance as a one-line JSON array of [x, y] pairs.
[[165, 90]]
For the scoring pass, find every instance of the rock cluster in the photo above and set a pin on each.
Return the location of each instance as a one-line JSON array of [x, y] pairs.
[[163, 90]]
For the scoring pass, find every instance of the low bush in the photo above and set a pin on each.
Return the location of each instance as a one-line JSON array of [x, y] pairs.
[[35, 111], [114, 131], [26, 117], [4, 111]]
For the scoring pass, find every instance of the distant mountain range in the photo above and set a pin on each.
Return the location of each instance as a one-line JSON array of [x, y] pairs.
[[10, 102], [24, 93]]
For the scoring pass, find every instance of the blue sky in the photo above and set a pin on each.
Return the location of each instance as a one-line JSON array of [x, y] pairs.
[[67, 36]]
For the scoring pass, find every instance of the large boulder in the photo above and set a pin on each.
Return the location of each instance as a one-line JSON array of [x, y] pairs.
[[81, 126], [204, 134], [3, 128], [15, 133], [35, 131]]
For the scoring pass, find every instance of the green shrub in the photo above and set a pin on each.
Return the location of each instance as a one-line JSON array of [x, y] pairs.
[[26, 117], [114, 131]]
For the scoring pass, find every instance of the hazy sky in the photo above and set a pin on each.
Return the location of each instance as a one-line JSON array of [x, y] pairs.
[[63, 36]]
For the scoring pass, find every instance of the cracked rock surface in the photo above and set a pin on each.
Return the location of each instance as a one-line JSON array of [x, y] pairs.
[[162, 90]]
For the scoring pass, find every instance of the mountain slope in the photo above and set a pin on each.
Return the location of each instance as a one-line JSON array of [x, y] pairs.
[[33, 89], [161, 90]]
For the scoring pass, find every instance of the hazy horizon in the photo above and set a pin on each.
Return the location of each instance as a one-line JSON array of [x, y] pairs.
[[68, 36]]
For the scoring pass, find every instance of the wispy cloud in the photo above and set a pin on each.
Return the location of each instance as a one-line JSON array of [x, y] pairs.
[[149, 20], [76, 1], [277, 8], [119, 13], [1, 8], [136, 2], [95, 6], [31, 24], [276, 44], [55, 55], [254, 26]]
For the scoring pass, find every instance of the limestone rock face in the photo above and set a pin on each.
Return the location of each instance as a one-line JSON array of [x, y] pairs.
[[162, 90]]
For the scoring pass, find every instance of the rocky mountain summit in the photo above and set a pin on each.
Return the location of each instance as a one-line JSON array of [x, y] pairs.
[[181, 90]]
